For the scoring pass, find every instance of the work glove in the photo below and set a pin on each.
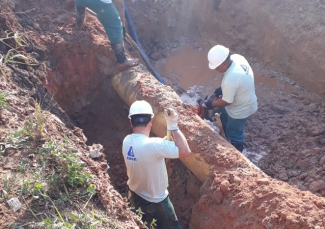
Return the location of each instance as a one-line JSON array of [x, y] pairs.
[[201, 102], [208, 103], [171, 119], [218, 92], [124, 32]]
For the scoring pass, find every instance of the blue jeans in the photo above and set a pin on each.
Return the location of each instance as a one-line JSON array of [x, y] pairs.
[[234, 128], [163, 212]]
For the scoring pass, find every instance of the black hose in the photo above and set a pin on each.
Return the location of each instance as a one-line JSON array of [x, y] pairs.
[[135, 44], [136, 39]]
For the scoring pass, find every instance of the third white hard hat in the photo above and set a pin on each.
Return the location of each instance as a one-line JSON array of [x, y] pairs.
[[140, 107], [217, 55]]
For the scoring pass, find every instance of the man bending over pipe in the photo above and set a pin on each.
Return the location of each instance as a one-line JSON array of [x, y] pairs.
[[236, 95], [111, 21], [144, 157]]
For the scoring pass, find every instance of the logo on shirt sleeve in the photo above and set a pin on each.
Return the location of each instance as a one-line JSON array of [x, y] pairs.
[[131, 156], [245, 68]]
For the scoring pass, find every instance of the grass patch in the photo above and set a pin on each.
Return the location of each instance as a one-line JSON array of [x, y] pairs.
[[15, 43], [3, 103], [34, 125], [50, 181]]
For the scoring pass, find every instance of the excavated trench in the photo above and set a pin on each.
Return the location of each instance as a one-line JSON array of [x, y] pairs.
[[229, 192]]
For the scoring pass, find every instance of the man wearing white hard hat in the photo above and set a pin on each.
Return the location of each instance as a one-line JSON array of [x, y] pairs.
[[144, 157], [236, 95]]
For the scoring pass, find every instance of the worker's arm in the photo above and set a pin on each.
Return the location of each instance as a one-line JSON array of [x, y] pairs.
[[181, 143], [222, 97], [215, 102], [219, 103], [179, 138]]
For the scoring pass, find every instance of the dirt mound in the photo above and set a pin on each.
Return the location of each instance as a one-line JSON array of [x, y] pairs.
[[287, 130], [237, 194], [231, 202], [23, 86]]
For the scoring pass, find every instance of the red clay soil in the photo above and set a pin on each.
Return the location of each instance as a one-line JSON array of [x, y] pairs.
[[276, 37], [237, 194], [55, 129], [77, 67], [277, 34], [25, 85]]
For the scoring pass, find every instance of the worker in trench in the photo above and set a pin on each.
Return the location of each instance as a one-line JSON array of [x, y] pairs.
[[114, 26], [144, 157], [236, 96]]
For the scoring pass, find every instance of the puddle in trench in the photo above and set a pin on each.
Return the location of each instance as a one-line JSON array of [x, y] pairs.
[[192, 66]]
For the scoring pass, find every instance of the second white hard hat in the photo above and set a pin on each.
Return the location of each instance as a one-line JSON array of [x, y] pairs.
[[140, 107], [217, 55]]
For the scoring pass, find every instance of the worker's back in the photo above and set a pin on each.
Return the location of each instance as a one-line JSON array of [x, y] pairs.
[[238, 88], [145, 162]]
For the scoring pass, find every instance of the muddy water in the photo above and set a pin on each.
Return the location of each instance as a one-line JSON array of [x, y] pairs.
[[191, 64]]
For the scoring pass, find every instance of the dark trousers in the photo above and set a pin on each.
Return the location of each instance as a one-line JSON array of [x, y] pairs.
[[108, 17], [234, 129], [163, 212]]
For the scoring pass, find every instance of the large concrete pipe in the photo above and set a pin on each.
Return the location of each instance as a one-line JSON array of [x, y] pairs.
[[235, 193]]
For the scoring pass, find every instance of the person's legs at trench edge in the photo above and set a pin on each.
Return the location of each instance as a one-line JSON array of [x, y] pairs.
[[110, 19], [234, 129], [163, 212]]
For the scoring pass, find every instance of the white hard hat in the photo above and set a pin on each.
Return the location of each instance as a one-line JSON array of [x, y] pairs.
[[140, 107], [217, 55]]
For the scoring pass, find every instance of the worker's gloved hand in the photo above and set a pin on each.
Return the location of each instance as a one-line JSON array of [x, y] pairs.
[[201, 102], [171, 117], [208, 103], [124, 32], [218, 92]]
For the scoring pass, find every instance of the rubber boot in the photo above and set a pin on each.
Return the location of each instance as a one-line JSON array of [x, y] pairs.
[[122, 61], [80, 16], [239, 146]]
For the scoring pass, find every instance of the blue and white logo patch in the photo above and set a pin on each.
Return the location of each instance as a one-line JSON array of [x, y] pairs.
[[245, 68], [131, 155]]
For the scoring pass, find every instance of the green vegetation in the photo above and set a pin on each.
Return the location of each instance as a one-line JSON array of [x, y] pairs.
[[153, 223], [34, 126], [16, 54], [50, 180], [3, 103]]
